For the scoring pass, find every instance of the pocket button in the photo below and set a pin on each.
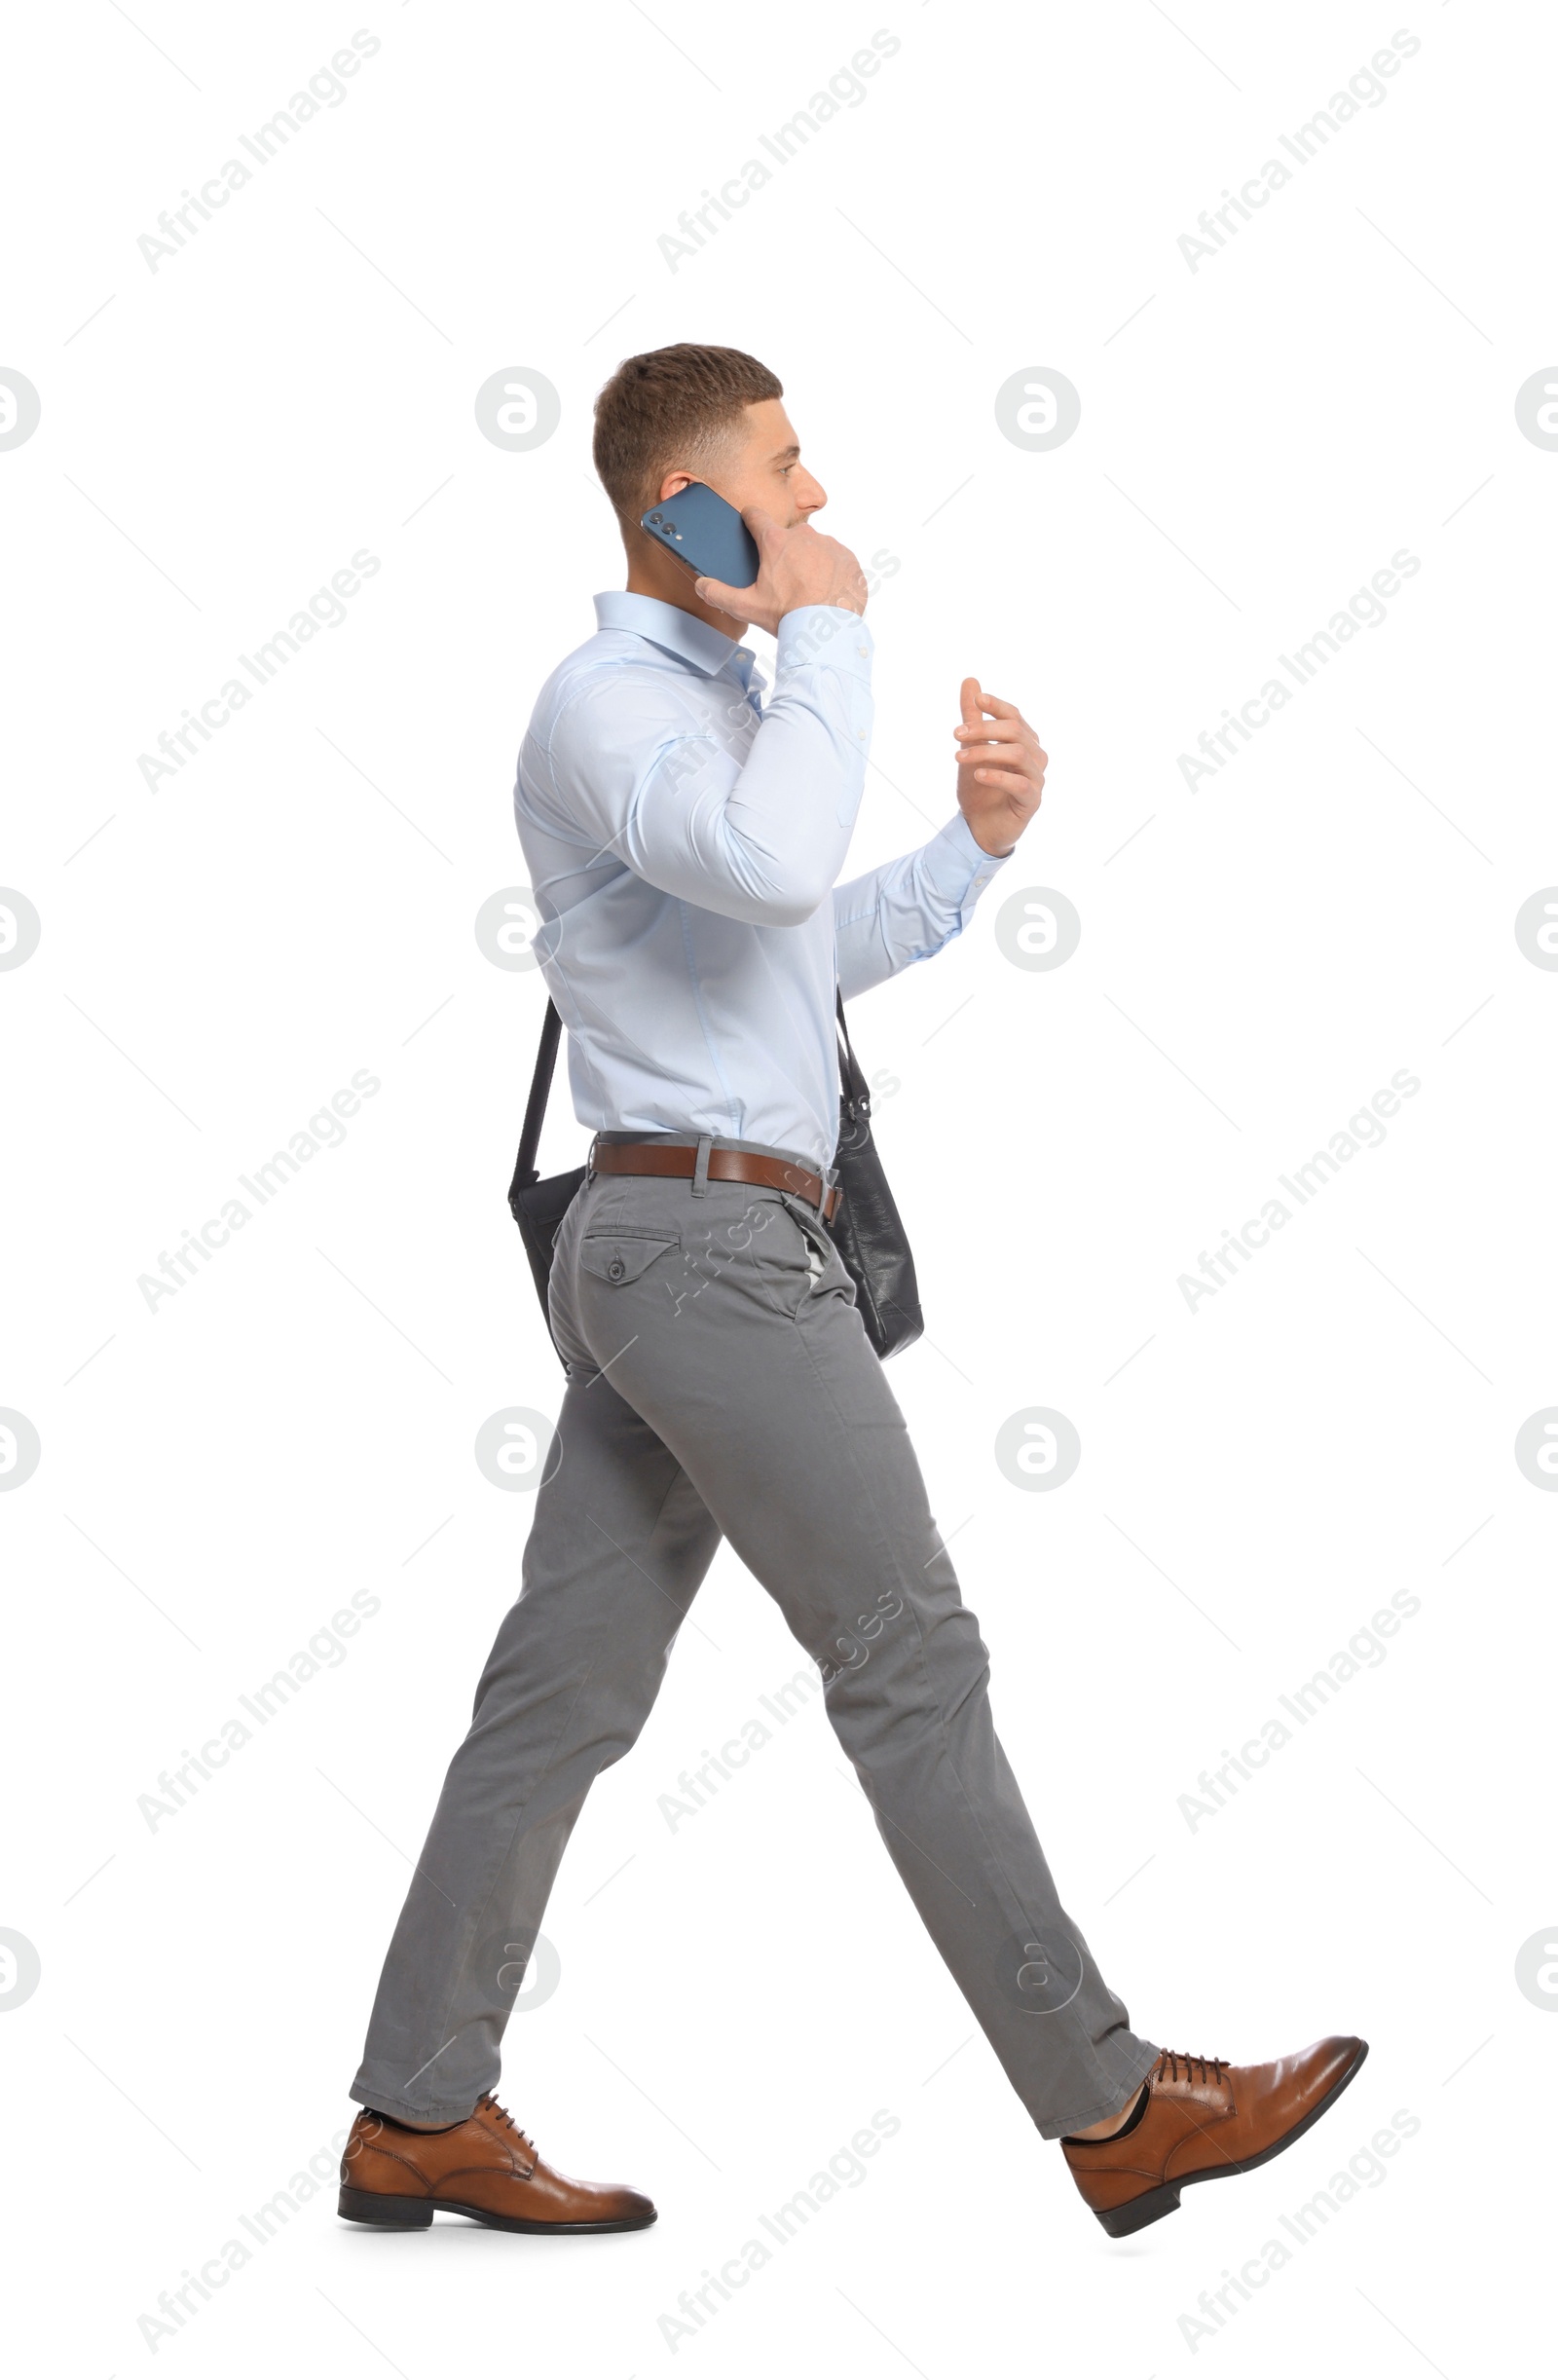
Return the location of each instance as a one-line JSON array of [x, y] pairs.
[[615, 1269]]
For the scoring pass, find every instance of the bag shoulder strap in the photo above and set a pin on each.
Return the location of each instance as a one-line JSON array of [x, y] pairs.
[[856, 1088], [530, 1139]]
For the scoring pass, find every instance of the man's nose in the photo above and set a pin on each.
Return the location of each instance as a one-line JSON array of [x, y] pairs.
[[810, 496]]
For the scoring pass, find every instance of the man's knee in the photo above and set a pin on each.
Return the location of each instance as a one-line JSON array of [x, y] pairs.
[[908, 1692]]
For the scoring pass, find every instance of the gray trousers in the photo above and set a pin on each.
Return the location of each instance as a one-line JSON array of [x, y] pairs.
[[720, 1383]]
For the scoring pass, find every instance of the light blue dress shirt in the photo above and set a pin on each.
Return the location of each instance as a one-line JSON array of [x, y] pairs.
[[683, 837]]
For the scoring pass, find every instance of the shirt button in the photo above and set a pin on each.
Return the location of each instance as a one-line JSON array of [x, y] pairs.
[[863, 650], [860, 734]]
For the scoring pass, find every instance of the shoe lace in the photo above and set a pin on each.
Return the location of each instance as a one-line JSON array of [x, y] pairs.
[[1170, 2063], [503, 2117]]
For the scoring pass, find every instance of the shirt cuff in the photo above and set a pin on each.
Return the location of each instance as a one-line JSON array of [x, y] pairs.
[[958, 867], [825, 636]]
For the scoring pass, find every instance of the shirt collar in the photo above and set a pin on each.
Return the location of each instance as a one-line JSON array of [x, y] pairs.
[[675, 631]]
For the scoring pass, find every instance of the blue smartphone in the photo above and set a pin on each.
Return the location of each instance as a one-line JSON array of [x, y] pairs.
[[705, 533]]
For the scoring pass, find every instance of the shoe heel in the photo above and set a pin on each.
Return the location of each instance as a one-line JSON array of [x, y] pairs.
[[386, 2212], [1120, 2222]]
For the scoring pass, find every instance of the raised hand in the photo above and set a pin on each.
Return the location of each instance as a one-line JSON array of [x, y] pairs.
[[795, 566], [1000, 769]]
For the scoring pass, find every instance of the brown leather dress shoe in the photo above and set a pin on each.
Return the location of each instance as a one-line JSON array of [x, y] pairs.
[[486, 2168], [1203, 2119]]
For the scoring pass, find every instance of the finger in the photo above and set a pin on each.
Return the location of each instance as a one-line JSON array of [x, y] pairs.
[[999, 709], [968, 696], [988, 751], [724, 599], [763, 525], [1005, 781], [997, 731]]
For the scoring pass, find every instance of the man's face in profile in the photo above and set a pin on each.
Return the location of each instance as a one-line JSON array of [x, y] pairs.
[[759, 464]]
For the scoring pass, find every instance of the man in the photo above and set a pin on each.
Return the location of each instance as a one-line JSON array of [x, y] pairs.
[[683, 837]]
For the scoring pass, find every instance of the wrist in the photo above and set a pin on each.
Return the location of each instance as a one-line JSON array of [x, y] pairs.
[[824, 603]]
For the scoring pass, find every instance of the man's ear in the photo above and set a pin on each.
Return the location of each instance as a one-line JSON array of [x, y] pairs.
[[672, 485]]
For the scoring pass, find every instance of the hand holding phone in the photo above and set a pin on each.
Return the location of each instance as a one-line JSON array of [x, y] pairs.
[[785, 569]]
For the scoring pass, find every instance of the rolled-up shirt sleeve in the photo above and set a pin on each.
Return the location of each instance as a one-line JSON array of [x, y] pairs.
[[632, 763], [909, 909]]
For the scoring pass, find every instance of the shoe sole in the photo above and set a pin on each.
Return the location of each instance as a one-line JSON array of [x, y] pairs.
[[1153, 2205], [388, 2214]]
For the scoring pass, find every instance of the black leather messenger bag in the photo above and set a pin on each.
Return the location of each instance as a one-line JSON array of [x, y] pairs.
[[539, 1207], [866, 1229]]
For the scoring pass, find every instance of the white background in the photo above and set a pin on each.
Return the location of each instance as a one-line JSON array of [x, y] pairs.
[[218, 957]]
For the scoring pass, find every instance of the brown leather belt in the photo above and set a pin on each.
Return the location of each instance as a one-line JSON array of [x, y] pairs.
[[725, 1165]]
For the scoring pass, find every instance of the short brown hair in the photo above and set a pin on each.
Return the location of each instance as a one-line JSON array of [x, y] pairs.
[[670, 408]]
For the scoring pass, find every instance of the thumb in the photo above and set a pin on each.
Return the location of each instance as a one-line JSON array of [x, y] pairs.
[[968, 695]]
